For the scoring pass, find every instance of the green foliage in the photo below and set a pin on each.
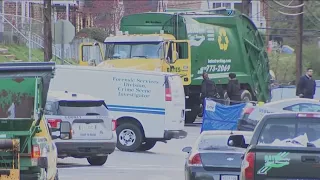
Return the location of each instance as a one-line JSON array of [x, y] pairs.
[[94, 33], [311, 55]]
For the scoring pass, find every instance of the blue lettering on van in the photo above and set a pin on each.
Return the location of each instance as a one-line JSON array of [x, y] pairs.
[[134, 87]]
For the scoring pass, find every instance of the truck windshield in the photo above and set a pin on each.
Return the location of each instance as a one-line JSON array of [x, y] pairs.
[[299, 132], [148, 50]]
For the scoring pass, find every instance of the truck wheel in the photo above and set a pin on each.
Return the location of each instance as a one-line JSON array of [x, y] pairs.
[[226, 99], [97, 160], [57, 176], [149, 144], [129, 137], [191, 116], [246, 96]]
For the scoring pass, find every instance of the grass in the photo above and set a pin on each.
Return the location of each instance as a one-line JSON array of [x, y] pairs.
[[22, 53]]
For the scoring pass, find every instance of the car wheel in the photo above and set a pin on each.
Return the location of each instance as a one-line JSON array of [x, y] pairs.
[[149, 144], [57, 176], [129, 137], [97, 160]]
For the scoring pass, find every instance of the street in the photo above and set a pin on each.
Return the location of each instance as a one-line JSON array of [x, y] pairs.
[[163, 162]]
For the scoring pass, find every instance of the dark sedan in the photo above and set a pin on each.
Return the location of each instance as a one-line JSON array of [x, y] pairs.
[[212, 159]]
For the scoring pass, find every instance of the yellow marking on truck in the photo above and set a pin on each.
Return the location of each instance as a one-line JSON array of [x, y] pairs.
[[223, 44]]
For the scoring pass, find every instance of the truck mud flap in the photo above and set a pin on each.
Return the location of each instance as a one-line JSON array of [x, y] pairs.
[[9, 174]]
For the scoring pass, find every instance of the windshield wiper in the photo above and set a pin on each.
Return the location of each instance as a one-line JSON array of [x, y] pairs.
[[141, 56]]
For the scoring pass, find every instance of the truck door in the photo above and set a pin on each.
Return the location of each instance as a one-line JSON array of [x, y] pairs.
[[90, 54], [178, 59]]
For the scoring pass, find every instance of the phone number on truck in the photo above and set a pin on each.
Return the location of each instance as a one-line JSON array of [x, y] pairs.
[[217, 68]]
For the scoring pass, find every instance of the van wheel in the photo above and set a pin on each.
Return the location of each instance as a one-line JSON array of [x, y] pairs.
[[97, 160], [246, 96], [129, 137], [149, 144]]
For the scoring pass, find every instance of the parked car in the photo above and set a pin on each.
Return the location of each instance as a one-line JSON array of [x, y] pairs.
[[93, 130], [252, 114], [283, 146], [211, 158]]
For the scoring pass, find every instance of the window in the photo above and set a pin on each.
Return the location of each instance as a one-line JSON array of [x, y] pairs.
[[303, 107], [216, 5], [216, 142], [291, 132], [226, 5], [146, 50], [82, 108]]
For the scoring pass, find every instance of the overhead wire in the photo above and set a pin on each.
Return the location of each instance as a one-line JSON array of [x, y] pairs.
[[287, 6]]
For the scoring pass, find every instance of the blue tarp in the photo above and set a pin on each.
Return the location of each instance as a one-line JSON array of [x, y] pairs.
[[217, 116]]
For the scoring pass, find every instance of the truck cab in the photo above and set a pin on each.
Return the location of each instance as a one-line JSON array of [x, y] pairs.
[[152, 52]]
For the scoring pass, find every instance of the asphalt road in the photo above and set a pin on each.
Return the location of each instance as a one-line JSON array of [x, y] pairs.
[[163, 162]]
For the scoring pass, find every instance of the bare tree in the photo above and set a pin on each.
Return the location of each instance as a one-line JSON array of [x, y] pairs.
[[47, 30]]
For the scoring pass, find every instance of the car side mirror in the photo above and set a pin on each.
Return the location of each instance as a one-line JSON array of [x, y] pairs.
[[65, 130], [187, 149], [237, 141]]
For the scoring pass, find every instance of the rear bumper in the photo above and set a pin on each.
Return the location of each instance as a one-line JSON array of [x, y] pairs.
[[199, 173], [85, 149], [174, 134]]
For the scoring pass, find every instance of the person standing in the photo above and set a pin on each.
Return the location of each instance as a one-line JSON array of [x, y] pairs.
[[208, 88], [233, 89], [306, 87]]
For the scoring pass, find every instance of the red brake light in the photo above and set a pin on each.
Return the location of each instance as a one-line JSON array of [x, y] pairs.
[[307, 115], [54, 123], [249, 166], [168, 94], [195, 160], [248, 110], [114, 125], [36, 152]]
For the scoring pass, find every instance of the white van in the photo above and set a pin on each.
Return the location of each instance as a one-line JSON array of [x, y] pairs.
[[148, 106]]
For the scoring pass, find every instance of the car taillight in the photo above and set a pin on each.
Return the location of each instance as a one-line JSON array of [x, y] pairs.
[[114, 125], [249, 166], [35, 152], [248, 110], [308, 115], [54, 123], [195, 160], [168, 94]]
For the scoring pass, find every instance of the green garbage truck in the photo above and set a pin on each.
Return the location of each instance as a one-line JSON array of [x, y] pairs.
[[27, 150], [189, 43]]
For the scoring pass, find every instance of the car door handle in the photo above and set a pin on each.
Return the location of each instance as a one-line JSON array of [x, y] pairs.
[[310, 159]]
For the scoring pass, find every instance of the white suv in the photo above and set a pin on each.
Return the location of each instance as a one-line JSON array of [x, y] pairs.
[[93, 130]]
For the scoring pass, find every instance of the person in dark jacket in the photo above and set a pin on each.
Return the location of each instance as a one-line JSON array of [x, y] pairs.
[[208, 88], [306, 87], [233, 89]]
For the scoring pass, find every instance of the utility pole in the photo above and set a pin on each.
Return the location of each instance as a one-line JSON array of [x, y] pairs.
[[47, 44], [246, 4], [267, 23], [299, 43]]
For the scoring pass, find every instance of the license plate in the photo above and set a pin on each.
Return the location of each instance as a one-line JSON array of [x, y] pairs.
[[88, 127], [229, 177]]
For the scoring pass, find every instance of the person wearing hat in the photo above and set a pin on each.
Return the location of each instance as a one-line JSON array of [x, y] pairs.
[[233, 89]]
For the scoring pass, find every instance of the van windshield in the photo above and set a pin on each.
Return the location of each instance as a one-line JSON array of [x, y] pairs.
[[147, 50], [300, 132], [77, 108]]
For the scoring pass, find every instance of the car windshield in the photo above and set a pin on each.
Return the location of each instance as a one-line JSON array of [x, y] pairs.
[[76, 108], [301, 132], [217, 142], [147, 50]]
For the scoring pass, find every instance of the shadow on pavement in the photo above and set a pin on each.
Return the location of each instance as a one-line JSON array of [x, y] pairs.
[[71, 165]]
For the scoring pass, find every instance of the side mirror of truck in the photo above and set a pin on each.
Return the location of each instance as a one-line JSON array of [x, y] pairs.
[[65, 130], [237, 141]]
